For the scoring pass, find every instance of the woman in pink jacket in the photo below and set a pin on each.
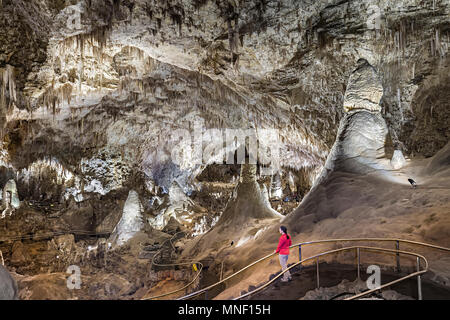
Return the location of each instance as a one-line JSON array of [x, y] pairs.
[[283, 250]]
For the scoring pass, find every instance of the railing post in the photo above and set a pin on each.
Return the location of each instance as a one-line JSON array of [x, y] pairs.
[[419, 283], [300, 255], [397, 246], [317, 269], [358, 259]]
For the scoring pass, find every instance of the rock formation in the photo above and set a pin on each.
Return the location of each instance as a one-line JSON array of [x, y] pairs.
[[10, 198], [362, 131], [131, 222], [275, 187], [364, 89], [398, 160], [248, 201]]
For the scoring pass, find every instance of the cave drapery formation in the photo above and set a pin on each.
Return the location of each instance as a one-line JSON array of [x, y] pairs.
[[92, 92]]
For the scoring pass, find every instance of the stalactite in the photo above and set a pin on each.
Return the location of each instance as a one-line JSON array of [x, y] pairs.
[[7, 77]]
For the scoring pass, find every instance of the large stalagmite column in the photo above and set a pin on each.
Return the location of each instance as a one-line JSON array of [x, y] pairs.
[[362, 131], [248, 202]]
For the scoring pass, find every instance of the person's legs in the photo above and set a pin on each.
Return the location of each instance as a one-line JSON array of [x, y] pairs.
[[283, 261]]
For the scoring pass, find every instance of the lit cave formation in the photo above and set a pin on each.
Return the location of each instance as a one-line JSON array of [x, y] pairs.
[[151, 149]]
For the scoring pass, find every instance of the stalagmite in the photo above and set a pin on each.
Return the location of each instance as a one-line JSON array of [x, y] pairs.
[[10, 198], [276, 191], [248, 202], [362, 131], [398, 160], [131, 222]]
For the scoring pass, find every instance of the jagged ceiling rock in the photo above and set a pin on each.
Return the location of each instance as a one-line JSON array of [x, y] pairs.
[[274, 37]]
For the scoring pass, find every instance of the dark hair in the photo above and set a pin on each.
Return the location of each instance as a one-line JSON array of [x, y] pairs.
[[284, 229]]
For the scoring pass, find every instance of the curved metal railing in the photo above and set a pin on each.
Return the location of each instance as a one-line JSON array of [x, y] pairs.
[[153, 263], [300, 245], [417, 273], [52, 234]]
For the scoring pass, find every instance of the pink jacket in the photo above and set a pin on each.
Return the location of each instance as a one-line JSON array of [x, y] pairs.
[[284, 244]]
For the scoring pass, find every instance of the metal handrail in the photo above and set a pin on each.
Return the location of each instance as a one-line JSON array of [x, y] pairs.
[[346, 249], [54, 233], [299, 245], [197, 293], [173, 265]]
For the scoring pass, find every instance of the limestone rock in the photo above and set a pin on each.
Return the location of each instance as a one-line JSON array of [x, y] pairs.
[[51, 286], [8, 286], [265, 194], [394, 295], [173, 226], [65, 243], [364, 89], [176, 205], [360, 142], [79, 218], [131, 221], [19, 253], [398, 160]]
